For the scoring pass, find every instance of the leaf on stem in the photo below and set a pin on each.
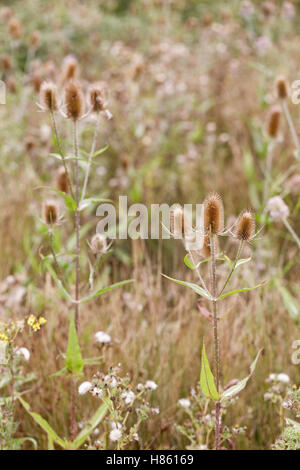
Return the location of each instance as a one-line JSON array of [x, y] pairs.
[[207, 380], [243, 289], [74, 361], [199, 290], [104, 290]]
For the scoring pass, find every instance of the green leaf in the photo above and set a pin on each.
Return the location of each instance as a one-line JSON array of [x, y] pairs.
[[92, 200], [59, 373], [69, 201], [104, 290], [74, 361], [93, 422], [242, 261], [42, 423], [62, 289], [188, 262], [192, 286], [237, 388], [17, 443], [236, 291], [93, 361], [289, 302], [207, 380]]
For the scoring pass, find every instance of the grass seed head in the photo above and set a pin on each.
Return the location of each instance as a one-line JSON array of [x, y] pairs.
[[274, 121], [48, 96], [213, 214], [245, 227], [73, 100]]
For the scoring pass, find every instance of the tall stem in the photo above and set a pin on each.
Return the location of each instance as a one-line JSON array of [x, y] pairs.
[[291, 126], [216, 336], [77, 223], [292, 231], [233, 267], [90, 158], [268, 173], [61, 152]]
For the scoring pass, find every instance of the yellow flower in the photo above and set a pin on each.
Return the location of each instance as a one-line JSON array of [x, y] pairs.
[[3, 337], [35, 322]]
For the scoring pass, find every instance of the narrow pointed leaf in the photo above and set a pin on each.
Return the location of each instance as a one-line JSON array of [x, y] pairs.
[[207, 380], [192, 286], [243, 289], [93, 422], [104, 290], [237, 388], [62, 289], [74, 361]]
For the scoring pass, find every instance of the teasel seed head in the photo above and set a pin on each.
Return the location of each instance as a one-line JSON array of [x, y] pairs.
[[274, 120], [15, 28], [179, 225], [74, 101], [213, 214], [50, 212], [99, 244], [96, 98], [62, 180], [48, 96], [245, 227], [70, 68], [6, 62], [34, 38], [282, 88]]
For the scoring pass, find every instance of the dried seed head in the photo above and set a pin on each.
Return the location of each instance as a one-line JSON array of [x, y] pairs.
[[245, 227], [62, 180], [6, 13], [206, 250], [213, 214], [50, 212], [70, 68], [36, 82], [282, 88], [274, 120], [15, 29], [6, 62], [96, 98], [48, 96], [34, 38], [99, 244], [74, 101]]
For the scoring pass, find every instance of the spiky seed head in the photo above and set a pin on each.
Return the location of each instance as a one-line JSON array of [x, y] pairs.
[[282, 88], [62, 180], [96, 98], [245, 226], [70, 68], [213, 214], [6, 62], [48, 96], [99, 244], [73, 100], [36, 82], [50, 212], [34, 38], [274, 121], [15, 28]]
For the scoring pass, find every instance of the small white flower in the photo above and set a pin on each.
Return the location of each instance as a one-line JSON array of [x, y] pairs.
[[97, 392], [84, 388], [135, 436], [184, 402], [128, 397], [267, 396], [151, 385], [139, 387], [115, 425], [155, 411], [115, 435], [202, 447], [272, 377], [284, 378], [23, 352], [102, 337], [277, 208]]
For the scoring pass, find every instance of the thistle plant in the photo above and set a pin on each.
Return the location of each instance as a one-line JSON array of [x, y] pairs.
[[213, 229], [72, 188]]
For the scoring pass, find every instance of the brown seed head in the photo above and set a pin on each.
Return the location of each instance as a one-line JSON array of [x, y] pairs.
[[70, 68], [245, 227], [62, 180], [15, 29], [50, 212], [48, 96], [34, 38], [213, 214], [6, 13], [98, 244], [96, 98], [36, 82], [274, 120], [74, 101], [282, 88], [6, 62]]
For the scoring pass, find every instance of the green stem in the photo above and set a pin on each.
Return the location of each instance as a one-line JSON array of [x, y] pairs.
[[233, 267]]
